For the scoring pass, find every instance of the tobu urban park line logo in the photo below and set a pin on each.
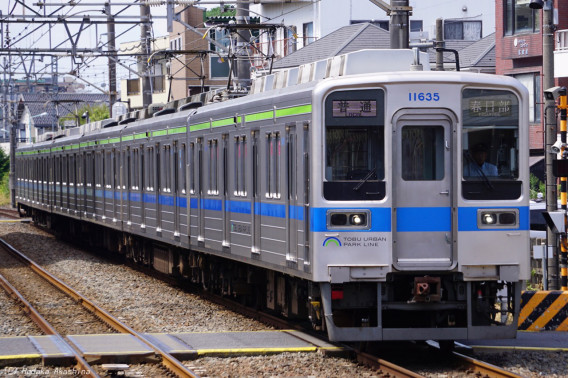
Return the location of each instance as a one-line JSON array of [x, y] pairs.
[[355, 241], [331, 241]]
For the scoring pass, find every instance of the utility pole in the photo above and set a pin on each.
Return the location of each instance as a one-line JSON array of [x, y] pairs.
[[143, 60], [439, 44], [399, 24], [242, 62], [551, 134], [111, 59], [13, 144]]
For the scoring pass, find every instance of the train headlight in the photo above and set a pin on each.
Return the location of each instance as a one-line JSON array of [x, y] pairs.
[[498, 218], [348, 219], [357, 219], [488, 218]]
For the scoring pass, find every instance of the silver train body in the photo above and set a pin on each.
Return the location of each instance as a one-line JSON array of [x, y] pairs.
[[343, 200]]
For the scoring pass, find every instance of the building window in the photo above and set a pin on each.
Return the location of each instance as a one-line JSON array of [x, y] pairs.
[[176, 43], [462, 30], [158, 78], [290, 40], [219, 62], [520, 18], [532, 82], [133, 86], [308, 32]]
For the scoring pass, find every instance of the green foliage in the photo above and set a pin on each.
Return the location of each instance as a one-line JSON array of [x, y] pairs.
[[224, 11], [5, 190], [96, 113], [536, 186], [4, 178], [4, 162]]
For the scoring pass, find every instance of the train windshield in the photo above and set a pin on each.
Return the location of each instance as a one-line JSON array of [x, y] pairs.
[[490, 144], [354, 145]]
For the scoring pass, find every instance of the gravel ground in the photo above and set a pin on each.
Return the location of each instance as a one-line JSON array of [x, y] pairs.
[[14, 322], [529, 363], [149, 305], [66, 315]]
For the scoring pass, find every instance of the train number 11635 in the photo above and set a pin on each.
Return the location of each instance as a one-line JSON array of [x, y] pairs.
[[423, 96]]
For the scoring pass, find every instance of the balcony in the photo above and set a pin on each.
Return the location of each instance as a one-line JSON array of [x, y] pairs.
[[561, 54]]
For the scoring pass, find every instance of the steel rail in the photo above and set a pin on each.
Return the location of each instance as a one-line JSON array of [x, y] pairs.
[[174, 365], [483, 369], [46, 327], [387, 368]]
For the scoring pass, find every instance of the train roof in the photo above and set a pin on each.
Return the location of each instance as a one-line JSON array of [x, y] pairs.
[[281, 86]]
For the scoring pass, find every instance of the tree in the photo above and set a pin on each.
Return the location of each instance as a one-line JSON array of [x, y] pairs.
[[96, 113], [4, 162], [4, 178], [225, 11]]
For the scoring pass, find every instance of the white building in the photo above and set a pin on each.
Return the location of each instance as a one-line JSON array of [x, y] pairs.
[[310, 20], [131, 87]]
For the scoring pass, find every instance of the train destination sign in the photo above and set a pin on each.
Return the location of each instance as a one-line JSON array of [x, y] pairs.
[[354, 108], [488, 107]]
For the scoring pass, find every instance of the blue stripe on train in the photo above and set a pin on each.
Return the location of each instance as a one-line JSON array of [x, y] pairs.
[[380, 219], [409, 219], [467, 218], [423, 219]]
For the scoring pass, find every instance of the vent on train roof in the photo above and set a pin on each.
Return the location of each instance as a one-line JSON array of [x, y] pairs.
[[164, 111], [110, 124], [127, 121], [190, 105], [358, 62]]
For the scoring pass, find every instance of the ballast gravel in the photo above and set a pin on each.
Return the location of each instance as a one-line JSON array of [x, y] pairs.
[[149, 305]]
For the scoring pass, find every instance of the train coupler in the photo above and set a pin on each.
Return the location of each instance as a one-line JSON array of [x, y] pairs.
[[427, 289]]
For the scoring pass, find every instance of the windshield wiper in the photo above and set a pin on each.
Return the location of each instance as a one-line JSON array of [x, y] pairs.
[[365, 179]]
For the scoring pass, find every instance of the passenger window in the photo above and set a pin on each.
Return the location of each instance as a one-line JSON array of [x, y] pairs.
[[192, 168], [150, 169], [182, 161], [422, 153], [213, 146], [354, 146], [490, 145], [240, 161], [273, 153]]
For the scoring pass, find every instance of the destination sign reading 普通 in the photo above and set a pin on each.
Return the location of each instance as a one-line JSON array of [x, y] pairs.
[[354, 108]]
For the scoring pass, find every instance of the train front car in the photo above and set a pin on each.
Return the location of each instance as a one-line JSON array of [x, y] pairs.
[[419, 206]]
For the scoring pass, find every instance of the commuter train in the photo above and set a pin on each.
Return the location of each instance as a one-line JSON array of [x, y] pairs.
[[340, 192]]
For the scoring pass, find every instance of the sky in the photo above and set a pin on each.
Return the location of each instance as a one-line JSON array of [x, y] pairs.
[[94, 71]]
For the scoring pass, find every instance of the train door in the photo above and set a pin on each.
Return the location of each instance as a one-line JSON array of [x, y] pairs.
[[65, 183], [142, 181], [291, 195], [177, 174], [225, 193], [160, 182], [90, 165], [256, 198], [73, 182], [79, 187], [200, 199], [422, 189], [129, 160], [114, 186]]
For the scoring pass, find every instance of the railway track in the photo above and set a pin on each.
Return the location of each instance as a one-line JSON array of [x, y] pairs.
[[172, 364], [376, 361], [9, 213], [480, 368]]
